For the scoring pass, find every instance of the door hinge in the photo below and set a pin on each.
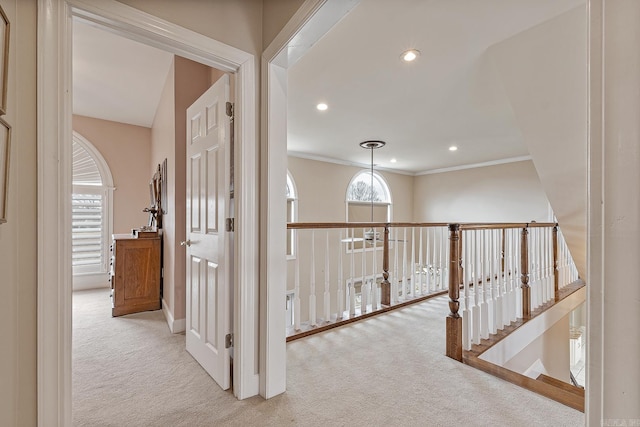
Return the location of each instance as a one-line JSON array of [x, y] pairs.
[[229, 106], [228, 341], [230, 224]]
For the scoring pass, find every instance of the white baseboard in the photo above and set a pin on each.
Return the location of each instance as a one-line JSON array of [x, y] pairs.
[[175, 326], [90, 281]]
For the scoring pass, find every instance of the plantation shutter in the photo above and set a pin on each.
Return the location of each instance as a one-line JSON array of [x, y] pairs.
[[88, 214]]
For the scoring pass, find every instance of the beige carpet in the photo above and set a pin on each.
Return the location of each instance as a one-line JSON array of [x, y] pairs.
[[386, 371]]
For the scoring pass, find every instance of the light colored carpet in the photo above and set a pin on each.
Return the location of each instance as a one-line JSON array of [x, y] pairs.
[[389, 370]]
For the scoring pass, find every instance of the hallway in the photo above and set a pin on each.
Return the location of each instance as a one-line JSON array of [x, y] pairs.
[[388, 370]]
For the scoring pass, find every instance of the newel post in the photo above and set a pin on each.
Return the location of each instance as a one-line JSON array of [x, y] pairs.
[[556, 272], [524, 274], [385, 287], [454, 321]]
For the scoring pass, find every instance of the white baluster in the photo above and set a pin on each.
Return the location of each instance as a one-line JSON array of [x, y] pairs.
[[363, 287], [312, 290], [484, 307], [428, 263], [374, 280], [327, 282], [497, 273], [441, 265], [492, 284], [412, 288], [296, 298], [404, 265], [394, 279], [466, 312], [420, 267], [340, 282], [352, 290], [477, 272]]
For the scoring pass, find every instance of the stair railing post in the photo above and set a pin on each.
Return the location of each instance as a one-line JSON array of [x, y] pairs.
[[524, 274], [556, 270], [454, 321], [385, 286]]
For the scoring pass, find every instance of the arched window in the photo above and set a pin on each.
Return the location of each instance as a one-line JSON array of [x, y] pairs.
[[362, 190], [292, 215], [91, 209]]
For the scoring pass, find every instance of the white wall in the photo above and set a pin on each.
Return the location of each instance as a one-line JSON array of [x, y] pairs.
[[544, 76], [613, 305], [551, 348], [502, 193]]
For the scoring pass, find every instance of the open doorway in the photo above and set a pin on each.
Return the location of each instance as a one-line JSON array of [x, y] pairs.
[[55, 130], [131, 100]]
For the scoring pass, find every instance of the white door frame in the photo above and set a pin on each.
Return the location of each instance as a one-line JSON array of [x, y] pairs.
[[54, 186], [310, 22]]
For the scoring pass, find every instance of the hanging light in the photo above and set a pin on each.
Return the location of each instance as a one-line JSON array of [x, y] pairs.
[[371, 145]]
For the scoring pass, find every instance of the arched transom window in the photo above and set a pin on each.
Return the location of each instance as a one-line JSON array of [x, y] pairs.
[[364, 189], [292, 215], [90, 209]]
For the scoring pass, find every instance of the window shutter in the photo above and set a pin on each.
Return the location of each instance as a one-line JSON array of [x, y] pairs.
[[87, 230]]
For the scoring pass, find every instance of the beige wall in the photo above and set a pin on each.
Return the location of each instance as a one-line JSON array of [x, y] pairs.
[[18, 245], [551, 349], [322, 190], [275, 15], [126, 149], [186, 81], [503, 193], [162, 147], [236, 23]]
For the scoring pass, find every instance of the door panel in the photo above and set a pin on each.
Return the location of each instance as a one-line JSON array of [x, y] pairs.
[[208, 272]]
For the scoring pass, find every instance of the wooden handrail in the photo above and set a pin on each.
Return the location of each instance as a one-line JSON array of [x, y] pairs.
[[309, 225], [463, 226]]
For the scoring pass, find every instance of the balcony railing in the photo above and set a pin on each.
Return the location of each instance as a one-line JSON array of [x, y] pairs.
[[505, 272], [340, 272]]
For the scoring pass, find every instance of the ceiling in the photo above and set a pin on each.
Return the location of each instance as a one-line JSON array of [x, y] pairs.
[[115, 78], [451, 95]]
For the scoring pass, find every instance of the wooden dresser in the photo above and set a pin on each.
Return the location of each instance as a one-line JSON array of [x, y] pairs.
[[135, 274]]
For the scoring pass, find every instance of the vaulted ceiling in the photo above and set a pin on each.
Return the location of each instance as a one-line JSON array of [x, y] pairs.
[[450, 96]]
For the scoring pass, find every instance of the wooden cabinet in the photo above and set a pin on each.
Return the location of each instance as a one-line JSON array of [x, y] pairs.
[[135, 274]]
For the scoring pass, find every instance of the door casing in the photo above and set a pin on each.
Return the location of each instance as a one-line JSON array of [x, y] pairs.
[[54, 186]]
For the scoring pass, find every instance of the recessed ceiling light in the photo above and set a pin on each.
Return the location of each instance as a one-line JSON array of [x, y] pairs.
[[393, 160], [410, 55], [453, 148], [322, 106]]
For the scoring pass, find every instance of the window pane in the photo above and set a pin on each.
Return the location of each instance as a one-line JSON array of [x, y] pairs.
[[86, 231], [361, 189]]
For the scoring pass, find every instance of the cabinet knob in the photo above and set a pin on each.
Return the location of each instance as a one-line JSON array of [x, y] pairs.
[[186, 243]]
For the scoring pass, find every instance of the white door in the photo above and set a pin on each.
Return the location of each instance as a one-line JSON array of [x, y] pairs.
[[208, 256]]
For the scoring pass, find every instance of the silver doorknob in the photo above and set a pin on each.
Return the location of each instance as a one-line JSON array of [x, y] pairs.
[[186, 243]]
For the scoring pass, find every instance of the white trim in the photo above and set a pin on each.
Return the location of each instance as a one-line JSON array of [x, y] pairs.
[[54, 184], [273, 265], [317, 158], [516, 341], [101, 163], [107, 219], [175, 326], [83, 282], [476, 165]]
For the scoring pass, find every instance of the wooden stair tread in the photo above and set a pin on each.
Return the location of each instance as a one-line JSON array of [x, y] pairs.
[[561, 385]]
